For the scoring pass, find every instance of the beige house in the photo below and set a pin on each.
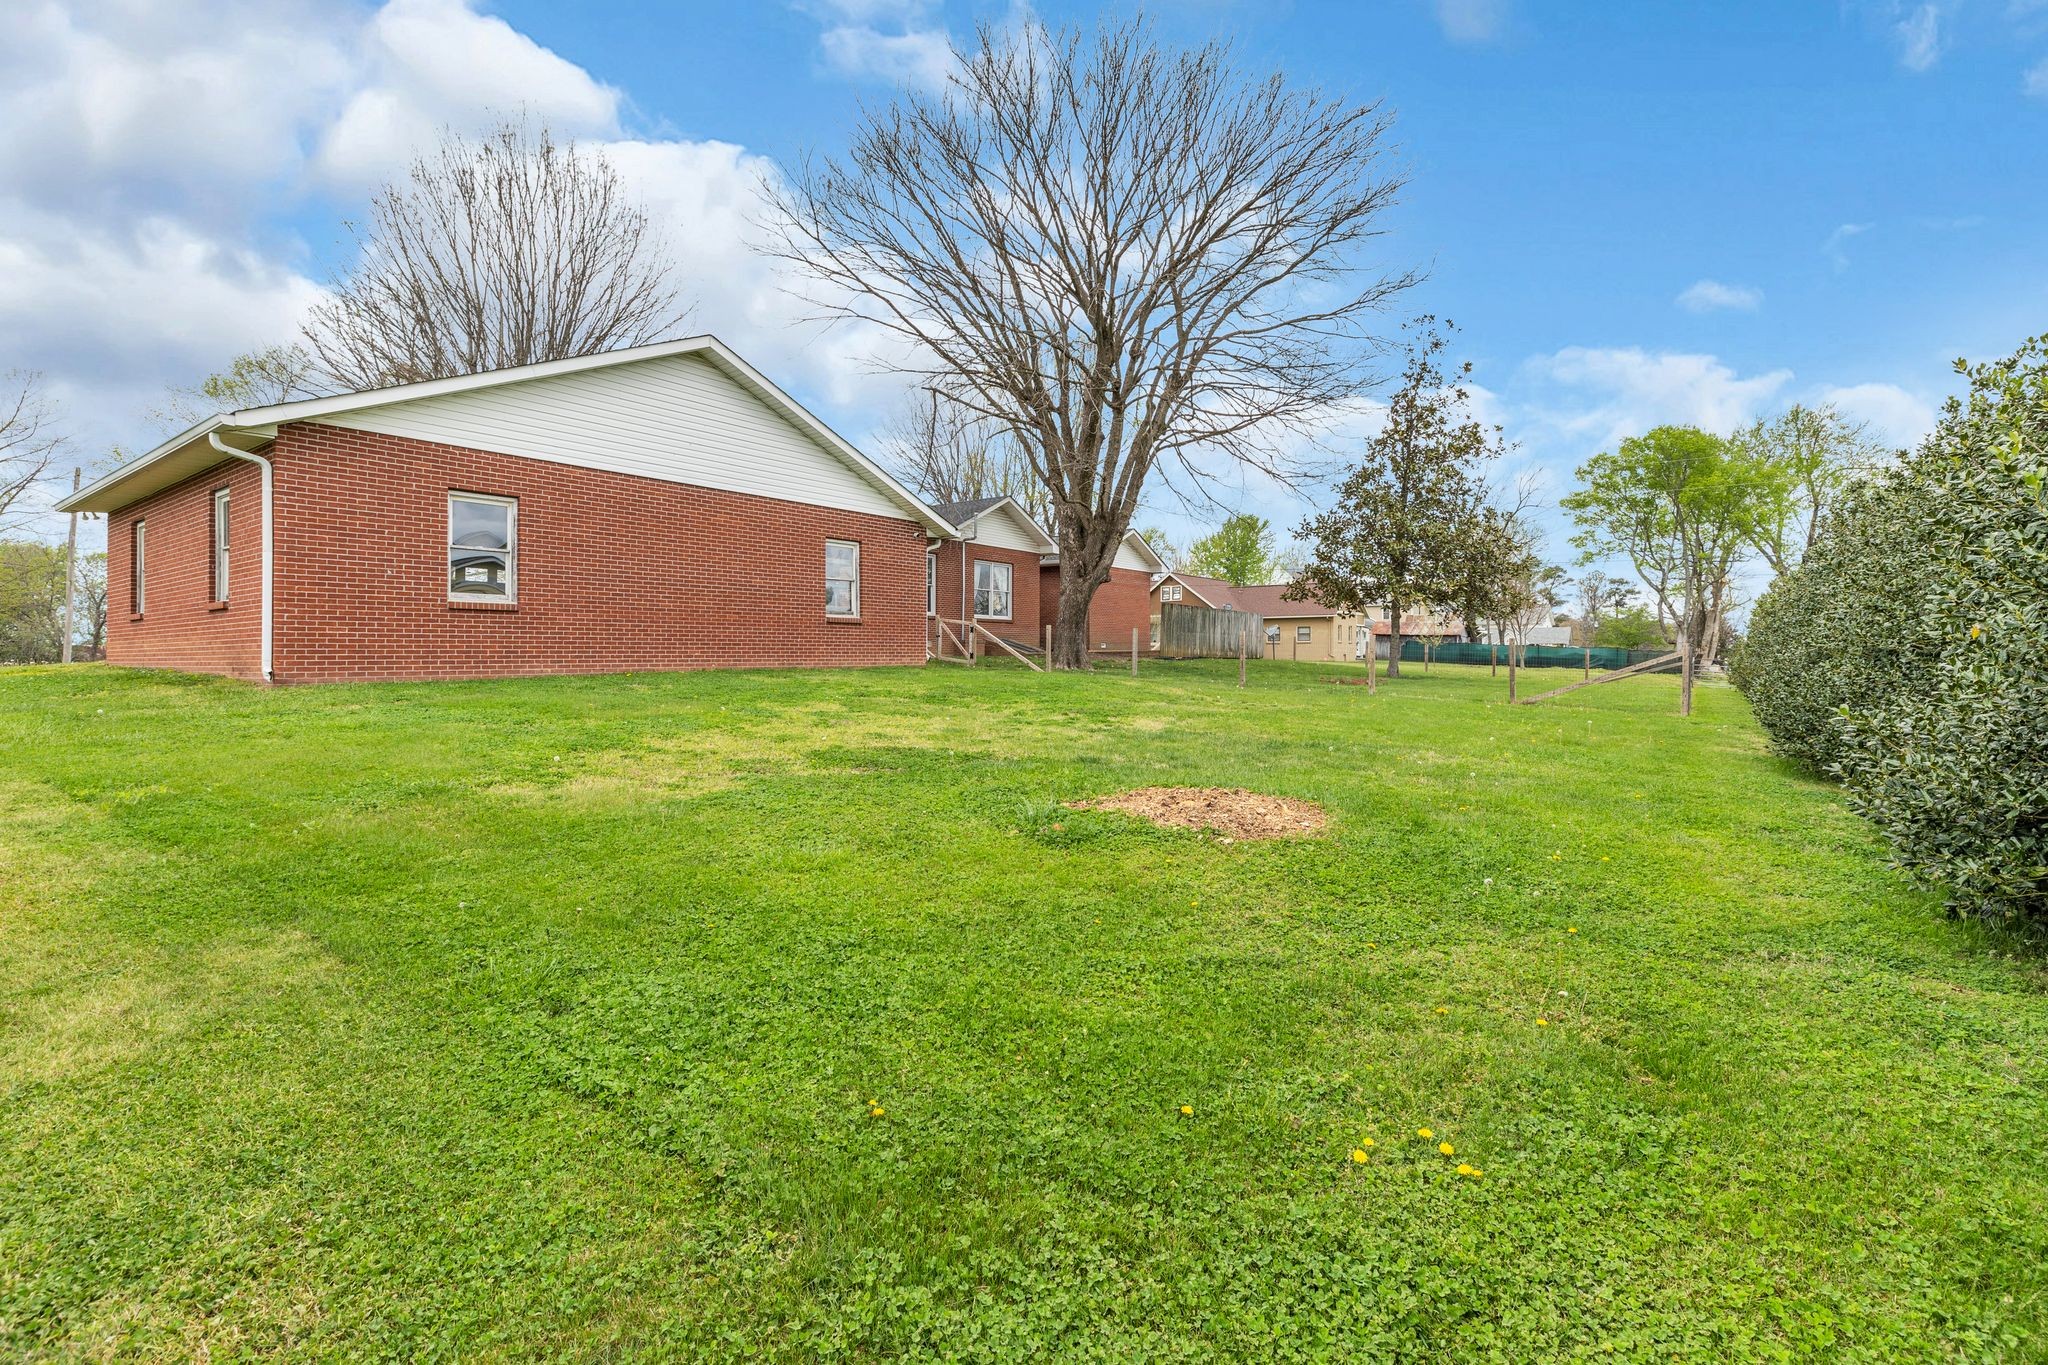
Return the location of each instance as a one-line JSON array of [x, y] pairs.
[[1308, 631]]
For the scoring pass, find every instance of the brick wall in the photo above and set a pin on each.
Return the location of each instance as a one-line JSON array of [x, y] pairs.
[[615, 572], [1122, 603], [955, 601], [182, 626]]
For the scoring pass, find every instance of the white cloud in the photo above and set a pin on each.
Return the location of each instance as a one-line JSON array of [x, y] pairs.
[[894, 42], [1836, 247], [1896, 417], [1711, 296], [1472, 21], [425, 64], [2035, 83], [1589, 397], [920, 57], [1918, 35]]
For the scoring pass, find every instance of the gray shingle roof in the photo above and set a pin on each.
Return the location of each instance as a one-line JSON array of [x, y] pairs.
[[957, 512]]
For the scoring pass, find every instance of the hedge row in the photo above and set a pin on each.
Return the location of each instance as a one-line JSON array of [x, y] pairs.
[[1908, 654]]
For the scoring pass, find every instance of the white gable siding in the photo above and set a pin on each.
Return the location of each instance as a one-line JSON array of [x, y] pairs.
[[1002, 528], [1127, 557], [678, 418]]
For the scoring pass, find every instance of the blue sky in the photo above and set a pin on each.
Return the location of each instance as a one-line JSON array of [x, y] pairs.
[[1636, 213]]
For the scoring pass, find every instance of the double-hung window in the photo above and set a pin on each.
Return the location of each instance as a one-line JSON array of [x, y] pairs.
[[220, 544], [483, 548], [1301, 635], [931, 583], [992, 589], [842, 578], [1169, 592], [135, 545]]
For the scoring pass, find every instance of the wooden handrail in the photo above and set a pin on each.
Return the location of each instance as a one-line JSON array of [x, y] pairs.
[[1006, 646], [1645, 666]]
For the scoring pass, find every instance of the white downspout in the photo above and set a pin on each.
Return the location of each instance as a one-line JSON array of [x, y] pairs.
[[213, 439]]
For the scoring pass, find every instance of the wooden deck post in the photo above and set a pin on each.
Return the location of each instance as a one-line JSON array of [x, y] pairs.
[[1048, 649], [1134, 651]]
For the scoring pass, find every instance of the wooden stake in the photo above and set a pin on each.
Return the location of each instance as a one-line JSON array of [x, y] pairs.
[[1242, 632], [1511, 673], [1134, 651], [1589, 661], [1048, 649], [1684, 674]]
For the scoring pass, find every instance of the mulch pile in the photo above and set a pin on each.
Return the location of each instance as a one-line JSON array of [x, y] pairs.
[[1230, 811]]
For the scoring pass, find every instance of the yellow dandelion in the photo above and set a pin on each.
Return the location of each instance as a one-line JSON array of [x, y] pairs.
[[1475, 1173], [1605, 859], [1358, 1156], [1424, 1133], [1371, 944], [1365, 1142], [876, 1111], [1542, 1023], [1570, 930], [1187, 1109], [1976, 632], [1447, 1149], [1463, 1169], [1441, 1010]]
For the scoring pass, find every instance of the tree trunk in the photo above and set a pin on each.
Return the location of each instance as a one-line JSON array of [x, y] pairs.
[[1394, 640], [1070, 623]]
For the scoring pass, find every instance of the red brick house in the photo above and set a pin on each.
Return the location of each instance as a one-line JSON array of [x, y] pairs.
[[990, 573], [660, 507]]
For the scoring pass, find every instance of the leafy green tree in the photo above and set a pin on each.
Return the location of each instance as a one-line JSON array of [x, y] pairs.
[[31, 602], [256, 379], [1796, 465], [1165, 547], [1679, 508], [1406, 519], [1240, 551], [1633, 627]]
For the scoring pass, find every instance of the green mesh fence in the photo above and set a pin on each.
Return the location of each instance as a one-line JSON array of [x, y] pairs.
[[1533, 656]]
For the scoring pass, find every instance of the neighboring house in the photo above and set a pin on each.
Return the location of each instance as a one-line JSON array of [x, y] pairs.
[[1294, 630], [660, 507], [1121, 605], [1527, 635], [991, 571], [1441, 626]]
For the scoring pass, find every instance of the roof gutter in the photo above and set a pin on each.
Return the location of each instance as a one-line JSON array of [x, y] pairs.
[[213, 439]]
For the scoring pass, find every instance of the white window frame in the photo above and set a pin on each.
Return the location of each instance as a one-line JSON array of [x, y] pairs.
[[511, 593], [1169, 592], [1304, 634], [852, 611], [931, 582], [138, 548], [1009, 590], [220, 544]]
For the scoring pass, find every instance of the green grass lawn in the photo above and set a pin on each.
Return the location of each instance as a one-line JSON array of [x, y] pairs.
[[543, 1018]]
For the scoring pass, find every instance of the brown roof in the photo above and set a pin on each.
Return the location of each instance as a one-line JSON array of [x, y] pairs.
[[1263, 599]]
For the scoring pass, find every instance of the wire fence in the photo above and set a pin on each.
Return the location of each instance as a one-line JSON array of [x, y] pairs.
[[1603, 657]]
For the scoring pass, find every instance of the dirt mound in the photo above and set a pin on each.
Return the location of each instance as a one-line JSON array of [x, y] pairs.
[[1230, 811]]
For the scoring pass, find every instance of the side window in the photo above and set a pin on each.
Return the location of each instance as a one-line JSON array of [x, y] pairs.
[[1301, 635], [931, 583], [483, 548], [842, 578], [992, 589], [135, 546], [220, 544]]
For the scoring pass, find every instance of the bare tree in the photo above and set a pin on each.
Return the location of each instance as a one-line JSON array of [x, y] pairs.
[[1121, 253], [28, 438], [493, 253], [950, 453]]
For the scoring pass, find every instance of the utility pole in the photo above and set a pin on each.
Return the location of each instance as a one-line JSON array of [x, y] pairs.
[[70, 574]]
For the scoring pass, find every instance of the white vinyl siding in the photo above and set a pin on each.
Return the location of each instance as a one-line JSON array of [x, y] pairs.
[[677, 418], [1004, 529], [992, 589], [1129, 557]]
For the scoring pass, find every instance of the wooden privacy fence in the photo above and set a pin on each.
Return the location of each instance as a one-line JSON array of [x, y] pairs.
[[1190, 632]]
